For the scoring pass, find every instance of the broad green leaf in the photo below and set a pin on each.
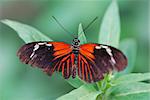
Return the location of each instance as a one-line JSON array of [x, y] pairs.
[[128, 46], [26, 32], [130, 78], [90, 96], [81, 35], [139, 96], [82, 93], [76, 82], [110, 27], [132, 90]]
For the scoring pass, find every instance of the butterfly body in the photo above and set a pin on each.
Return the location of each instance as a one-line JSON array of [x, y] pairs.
[[89, 61]]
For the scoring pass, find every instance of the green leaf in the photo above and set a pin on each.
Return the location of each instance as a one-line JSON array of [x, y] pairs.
[[110, 27], [82, 93], [130, 78], [27, 33], [76, 82], [128, 91], [128, 46], [90, 96], [139, 96], [81, 35]]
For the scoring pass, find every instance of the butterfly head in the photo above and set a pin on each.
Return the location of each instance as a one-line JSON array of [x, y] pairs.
[[75, 42]]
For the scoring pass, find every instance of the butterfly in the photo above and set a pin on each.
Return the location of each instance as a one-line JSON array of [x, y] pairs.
[[89, 61]]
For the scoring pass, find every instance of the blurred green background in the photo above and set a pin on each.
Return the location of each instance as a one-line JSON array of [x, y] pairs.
[[22, 82]]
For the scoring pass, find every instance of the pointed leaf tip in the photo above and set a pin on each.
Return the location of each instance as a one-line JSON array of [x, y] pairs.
[[81, 35], [26, 32], [110, 27]]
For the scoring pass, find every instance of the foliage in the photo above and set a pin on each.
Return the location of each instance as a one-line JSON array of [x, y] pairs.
[[110, 27]]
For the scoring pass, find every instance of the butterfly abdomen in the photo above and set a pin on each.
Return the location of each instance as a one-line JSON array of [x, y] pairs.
[[74, 67]]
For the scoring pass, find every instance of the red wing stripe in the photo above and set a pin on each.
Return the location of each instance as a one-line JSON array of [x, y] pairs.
[[72, 59], [89, 58], [86, 53], [84, 60], [65, 58], [68, 63], [60, 46], [91, 78], [88, 47], [83, 66], [93, 72], [63, 67], [55, 67], [60, 52], [58, 49], [88, 67], [62, 62], [60, 56], [82, 70], [79, 66], [86, 72]]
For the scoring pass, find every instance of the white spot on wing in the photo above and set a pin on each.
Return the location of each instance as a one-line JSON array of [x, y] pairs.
[[103, 46], [113, 60], [108, 50], [98, 47], [48, 44], [36, 47], [32, 54], [42, 43]]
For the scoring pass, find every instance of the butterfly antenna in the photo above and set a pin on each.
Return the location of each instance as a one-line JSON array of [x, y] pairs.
[[89, 25], [58, 22]]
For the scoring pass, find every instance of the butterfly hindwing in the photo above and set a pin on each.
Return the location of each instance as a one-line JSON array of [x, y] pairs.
[[94, 60], [49, 56]]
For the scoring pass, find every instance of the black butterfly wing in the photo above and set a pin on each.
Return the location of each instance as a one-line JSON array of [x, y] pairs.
[[49, 56], [94, 60]]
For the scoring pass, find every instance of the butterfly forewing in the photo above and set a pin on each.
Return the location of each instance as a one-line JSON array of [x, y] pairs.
[[50, 56], [94, 60]]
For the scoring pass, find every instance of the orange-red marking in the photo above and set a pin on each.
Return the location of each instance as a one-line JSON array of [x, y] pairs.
[[60, 45], [63, 67], [86, 53], [60, 52], [79, 60], [82, 70], [86, 72], [68, 61], [88, 47]]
